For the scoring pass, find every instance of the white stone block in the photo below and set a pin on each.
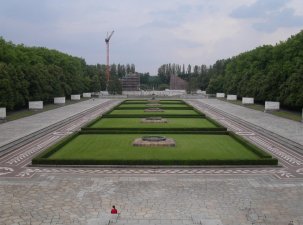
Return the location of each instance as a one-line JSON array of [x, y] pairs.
[[75, 97], [203, 92], [2, 113], [220, 95], [247, 100], [271, 106], [35, 105], [231, 97], [59, 100], [87, 95]]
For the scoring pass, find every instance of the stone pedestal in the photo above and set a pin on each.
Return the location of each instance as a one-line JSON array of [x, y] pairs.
[[220, 95], [59, 100], [272, 106], [247, 101], [232, 97], [2, 113], [36, 105], [75, 97], [87, 95]]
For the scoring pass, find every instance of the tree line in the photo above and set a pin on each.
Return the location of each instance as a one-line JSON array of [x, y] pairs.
[[267, 73], [36, 73]]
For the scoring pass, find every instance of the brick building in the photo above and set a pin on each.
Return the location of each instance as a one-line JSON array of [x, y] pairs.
[[176, 83], [130, 82]]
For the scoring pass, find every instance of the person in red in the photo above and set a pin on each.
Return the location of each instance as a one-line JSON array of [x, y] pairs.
[[114, 210]]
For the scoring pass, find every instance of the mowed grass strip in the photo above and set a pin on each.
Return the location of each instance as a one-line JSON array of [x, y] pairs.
[[153, 102], [188, 147], [165, 112], [136, 123], [147, 106]]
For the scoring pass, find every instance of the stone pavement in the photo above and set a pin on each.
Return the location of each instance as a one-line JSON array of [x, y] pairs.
[[289, 129], [17, 129], [151, 199], [154, 196]]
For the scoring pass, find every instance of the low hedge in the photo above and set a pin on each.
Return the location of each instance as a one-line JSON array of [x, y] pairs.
[[250, 146], [54, 148], [137, 131], [213, 121], [155, 129], [92, 122], [150, 115], [160, 107], [153, 162]]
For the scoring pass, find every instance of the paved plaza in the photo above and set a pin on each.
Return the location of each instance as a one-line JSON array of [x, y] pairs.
[[152, 195], [289, 129], [17, 129]]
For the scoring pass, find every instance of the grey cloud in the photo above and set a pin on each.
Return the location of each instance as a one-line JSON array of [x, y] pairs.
[[271, 15], [284, 18], [259, 8]]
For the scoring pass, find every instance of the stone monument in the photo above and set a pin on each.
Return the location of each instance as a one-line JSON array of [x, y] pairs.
[[36, 105], [87, 95], [247, 101], [75, 97], [231, 97], [220, 95], [2, 113], [272, 106], [59, 100]]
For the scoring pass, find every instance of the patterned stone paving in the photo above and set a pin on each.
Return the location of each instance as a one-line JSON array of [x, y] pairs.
[[208, 196], [151, 199], [291, 161]]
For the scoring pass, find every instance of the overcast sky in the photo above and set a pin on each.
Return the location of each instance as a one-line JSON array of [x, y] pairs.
[[150, 33]]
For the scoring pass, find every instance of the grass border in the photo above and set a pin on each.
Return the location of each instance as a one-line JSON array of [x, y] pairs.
[[42, 158], [265, 158]]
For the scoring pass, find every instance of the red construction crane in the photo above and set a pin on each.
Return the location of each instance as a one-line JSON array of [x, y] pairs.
[[108, 37]]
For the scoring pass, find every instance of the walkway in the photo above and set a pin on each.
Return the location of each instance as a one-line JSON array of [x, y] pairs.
[[14, 130], [284, 127]]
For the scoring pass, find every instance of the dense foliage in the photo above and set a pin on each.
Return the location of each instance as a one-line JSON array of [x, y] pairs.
[[34, 73], [267, 73]]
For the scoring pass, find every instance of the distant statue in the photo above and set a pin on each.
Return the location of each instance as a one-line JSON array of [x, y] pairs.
[[154, 96]]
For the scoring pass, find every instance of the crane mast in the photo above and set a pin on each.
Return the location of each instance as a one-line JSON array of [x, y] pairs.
[[107, 39]]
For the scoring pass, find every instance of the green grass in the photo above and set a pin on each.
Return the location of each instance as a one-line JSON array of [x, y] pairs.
[[188, 147], [166, 112], [199, 141], [146, 106], [147, 102], [292, 115], [296, 116], [136, 123]]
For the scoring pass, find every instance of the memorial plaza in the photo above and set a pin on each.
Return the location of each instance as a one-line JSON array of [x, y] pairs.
[[208, 195]]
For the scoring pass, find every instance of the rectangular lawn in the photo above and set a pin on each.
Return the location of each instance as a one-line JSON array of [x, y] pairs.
[[118, 149], [146, 105], [136, 123], [141, 111]]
